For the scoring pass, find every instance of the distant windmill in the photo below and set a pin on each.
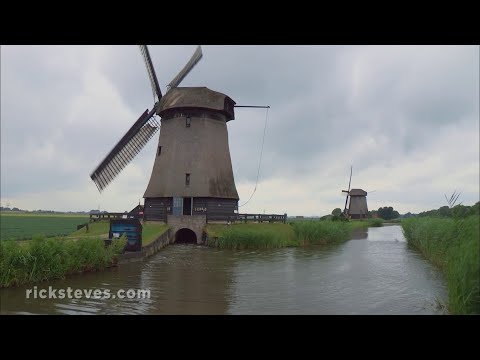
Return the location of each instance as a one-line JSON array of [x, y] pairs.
[[357, 208]]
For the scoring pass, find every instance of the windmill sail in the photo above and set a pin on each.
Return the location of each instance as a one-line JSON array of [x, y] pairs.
[[126, 149], [348, 192], [151, 71], [142, 131], [197, 55]]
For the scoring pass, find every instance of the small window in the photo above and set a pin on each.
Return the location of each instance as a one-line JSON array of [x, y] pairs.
[[187, 179], [188, 121], [159, 151]]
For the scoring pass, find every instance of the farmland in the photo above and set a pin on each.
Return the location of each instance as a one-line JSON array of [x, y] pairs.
[[24, 226]]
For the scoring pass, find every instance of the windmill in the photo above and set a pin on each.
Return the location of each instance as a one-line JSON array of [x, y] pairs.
[[357, 208], [192, 171]]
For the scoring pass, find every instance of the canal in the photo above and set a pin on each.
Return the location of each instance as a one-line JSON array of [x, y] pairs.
[[376, 272]]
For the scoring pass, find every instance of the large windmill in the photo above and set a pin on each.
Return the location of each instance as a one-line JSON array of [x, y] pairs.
[[357, 208], [192, 172]]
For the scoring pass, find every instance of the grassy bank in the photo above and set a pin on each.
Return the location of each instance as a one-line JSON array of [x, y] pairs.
[[151, 231], [94, 229], [275, 235], [452, 245], [251, 235], [322, 232], [44, 258]]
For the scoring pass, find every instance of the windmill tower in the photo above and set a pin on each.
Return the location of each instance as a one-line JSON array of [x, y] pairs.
[[192, 171], [357, 208]]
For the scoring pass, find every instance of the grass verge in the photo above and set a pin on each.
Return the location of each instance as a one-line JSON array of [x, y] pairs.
[[151, 231]]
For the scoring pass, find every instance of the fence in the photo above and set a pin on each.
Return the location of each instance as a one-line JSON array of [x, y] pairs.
[[244, 218], [236, 218]]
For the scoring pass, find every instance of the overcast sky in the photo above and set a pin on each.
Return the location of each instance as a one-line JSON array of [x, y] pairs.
[[406, 117]]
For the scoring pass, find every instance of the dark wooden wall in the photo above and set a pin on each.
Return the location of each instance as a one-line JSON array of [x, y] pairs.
[[214, 208]]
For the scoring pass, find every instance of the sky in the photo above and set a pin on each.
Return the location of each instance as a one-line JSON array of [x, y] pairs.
[[405, 117]]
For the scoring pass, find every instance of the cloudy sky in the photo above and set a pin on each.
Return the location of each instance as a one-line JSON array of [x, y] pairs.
[[406, 117]]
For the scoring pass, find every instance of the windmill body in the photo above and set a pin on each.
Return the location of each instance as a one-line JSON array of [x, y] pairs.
[[358, 208], [192, 172]]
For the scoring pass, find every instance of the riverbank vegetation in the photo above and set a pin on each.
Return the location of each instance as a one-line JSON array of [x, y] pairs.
[[48, 258], [45, 258], [453, 245], [274, 235], [250, 235]]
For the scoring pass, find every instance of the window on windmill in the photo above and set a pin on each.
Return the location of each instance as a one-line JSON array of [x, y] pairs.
[[159, 151], [188, 121], [187, 179]]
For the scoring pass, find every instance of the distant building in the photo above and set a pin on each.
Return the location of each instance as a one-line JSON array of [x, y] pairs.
[[136, 212], [299, 217]]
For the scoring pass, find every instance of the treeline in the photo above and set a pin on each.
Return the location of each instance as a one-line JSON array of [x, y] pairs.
[[458, 211]]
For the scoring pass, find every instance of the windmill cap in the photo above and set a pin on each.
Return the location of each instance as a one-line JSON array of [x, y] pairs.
[[358, 192], [197, 98]]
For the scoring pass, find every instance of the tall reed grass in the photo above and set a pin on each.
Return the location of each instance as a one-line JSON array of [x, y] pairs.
[[453, 245], [246, 236], [53, 258], [322, 232]]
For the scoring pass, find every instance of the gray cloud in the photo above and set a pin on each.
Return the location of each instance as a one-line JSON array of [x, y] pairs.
[[405, 116]]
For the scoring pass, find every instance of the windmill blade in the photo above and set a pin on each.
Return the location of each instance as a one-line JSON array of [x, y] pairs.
[[151, 71], [348, 192], [351, 169], [197, 55], [126, 149]]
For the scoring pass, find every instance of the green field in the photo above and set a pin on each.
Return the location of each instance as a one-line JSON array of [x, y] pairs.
[[24, 226]]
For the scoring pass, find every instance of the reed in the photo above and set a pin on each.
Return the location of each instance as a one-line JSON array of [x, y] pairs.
[[251, 235], [44, 258], [322, 232], [452, 245]]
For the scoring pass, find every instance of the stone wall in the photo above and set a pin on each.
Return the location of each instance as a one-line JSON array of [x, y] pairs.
[[192, 222], [148, 250]]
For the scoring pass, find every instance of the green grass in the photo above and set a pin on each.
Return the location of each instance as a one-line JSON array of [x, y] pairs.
[[151, 231], [251, 235], [25, 226], [452, 245], [274, 235], [94, 228], [322, 232], [44, 258]]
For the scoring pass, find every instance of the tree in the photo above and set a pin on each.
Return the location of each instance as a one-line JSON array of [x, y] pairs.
[[336, 211], [444, 211], [387, 213]]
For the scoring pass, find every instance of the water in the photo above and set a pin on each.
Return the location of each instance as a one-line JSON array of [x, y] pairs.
[[376, 272]]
